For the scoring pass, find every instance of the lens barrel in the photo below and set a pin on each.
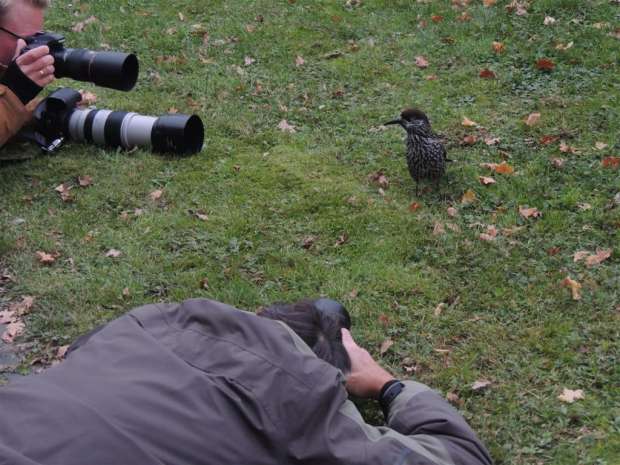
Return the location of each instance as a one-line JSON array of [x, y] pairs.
[[179, 134], [107, 69]]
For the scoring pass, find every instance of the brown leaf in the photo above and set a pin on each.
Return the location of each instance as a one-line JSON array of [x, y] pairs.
[[384, 320], [489, 3], [299, 61], [580, 255], [480, 384], [414, 207], [14, 329], [421, 62], [470, 139], [353, 294], [526, 212], [431, 77], [156, 195], [467, 122], [569, 396], [61, 352], [501, 168], [487, 74], [468, 197], [485, 180], [575, 287], [492, 140], [204, 283], [598, 257], [452, 212], [309, 241], [250, 28], [379, 179], [558, 162], [551, 251], [113, 253], [532, 119], [247, 61], [63, 190], [610, 162], [88, 98], [546, 140], [284, 126], [437, 18], [46, 258], [453, 398], [23, 307], [440, 308], [85, 181], [342, 239], [545, 64], [565, 148], [490, 234], [465, 16], [6, 316], [385, 346], [79, 27], [498, 47], [438, 229]]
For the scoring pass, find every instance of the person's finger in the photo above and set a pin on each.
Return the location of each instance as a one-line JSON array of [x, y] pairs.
[[21, 43], [33, 55], [40, 65], [347, 339]]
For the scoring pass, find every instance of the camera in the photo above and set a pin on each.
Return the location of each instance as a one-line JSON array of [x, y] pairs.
[[57, 118], [115, 70]]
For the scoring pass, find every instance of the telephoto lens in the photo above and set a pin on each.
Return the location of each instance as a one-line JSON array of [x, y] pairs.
[[179, 134]]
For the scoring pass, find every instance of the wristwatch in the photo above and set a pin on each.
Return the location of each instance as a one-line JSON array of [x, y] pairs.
[[389, 392]]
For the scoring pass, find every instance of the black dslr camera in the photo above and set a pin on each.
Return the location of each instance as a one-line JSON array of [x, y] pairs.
[[107, 69]]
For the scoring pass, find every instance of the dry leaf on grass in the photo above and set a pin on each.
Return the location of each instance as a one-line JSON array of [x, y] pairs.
[[308, 241], [480, 384], [385, 346], [61, 352], [526, 212], [79, 26], [284, 126], [13, 329], [600, 256], [113, 253], [22, 307], [342, 239], [490, 234], [421, 62], [545, 64], [580, 255], [452, 211], [299, 61], [85, 181], [485, 180], [500, 168], [487, 74], [610, 162], [380, 179], [156, 195], [498, 47], [46, 258], [574, 286], [569, 396], [468, 123], [468, 197], [532, 119], [440, 308], [6, 316], [600, 145]]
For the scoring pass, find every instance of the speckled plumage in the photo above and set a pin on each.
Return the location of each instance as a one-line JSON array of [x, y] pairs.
[[426, 154]]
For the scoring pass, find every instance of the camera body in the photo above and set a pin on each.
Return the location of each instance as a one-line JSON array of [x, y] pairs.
[[115, 70]]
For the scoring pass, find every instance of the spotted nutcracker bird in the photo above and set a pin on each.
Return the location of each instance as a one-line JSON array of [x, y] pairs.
[[426, 154]]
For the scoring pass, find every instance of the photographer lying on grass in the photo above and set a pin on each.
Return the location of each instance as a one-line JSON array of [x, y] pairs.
[[22, 77], [204, 383]]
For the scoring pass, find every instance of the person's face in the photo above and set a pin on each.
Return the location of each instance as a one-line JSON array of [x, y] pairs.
[[22, 19]]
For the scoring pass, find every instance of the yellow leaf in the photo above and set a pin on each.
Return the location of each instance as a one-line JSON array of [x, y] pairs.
[[468, 197]]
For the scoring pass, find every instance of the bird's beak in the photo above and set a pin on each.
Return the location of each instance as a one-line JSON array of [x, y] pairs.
[[394, 121]]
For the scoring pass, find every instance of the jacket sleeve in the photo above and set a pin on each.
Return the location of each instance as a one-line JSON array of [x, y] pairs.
[[13, 114]]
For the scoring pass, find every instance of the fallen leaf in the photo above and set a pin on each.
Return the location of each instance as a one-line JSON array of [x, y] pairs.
[[468, 197], [437, 18], [126, 292], [487, 74], [488, 3], [453, 398], [584, 206], [501, 168], [204, 283], [64, 191], [526, 212], [181, 16], [284, 126], [565, 148], [498, 47], [580, 255], [532, 119], [431, 77], [379, 179], [546, 140], [299, 61], [46, 258], [480, 384], [492, 140], [569, 396], [470, 139], [519, 8], [564, 47], [247, 61], [342, 239], [490, 234], [575, 287], [485, 180], [549, 20], [453, 227], [465, 16], [553, 251], [421, 62], [440, 308], [415, 206], [79, 27], [385, 346], [85, 181], [61, 352], [353, 294], [13, 329], [113, 253], [438, 229], [598, 257], [88, 98], [22, 307], [384, 320], [452, 212], [6, 316], [308, 241], [558, 162], [156, 195], [201, 215], [467, 122], [600, 145], [545, 64], [610, 162]]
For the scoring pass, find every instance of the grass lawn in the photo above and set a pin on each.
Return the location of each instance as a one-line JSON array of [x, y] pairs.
[[295, 214]]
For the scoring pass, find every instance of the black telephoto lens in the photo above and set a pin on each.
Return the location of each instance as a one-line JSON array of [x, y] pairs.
[[107, 69]]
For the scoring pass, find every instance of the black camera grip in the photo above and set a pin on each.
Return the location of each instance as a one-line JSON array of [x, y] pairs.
[[20, 84]]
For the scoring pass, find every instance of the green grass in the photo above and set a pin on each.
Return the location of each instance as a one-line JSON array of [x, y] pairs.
[[509, 320]]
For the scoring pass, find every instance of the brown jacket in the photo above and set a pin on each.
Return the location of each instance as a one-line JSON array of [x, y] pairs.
[[202, 383], [13, 114]]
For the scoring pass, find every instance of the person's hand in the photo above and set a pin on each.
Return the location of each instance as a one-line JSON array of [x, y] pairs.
[[367, 377], [36, 64]]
